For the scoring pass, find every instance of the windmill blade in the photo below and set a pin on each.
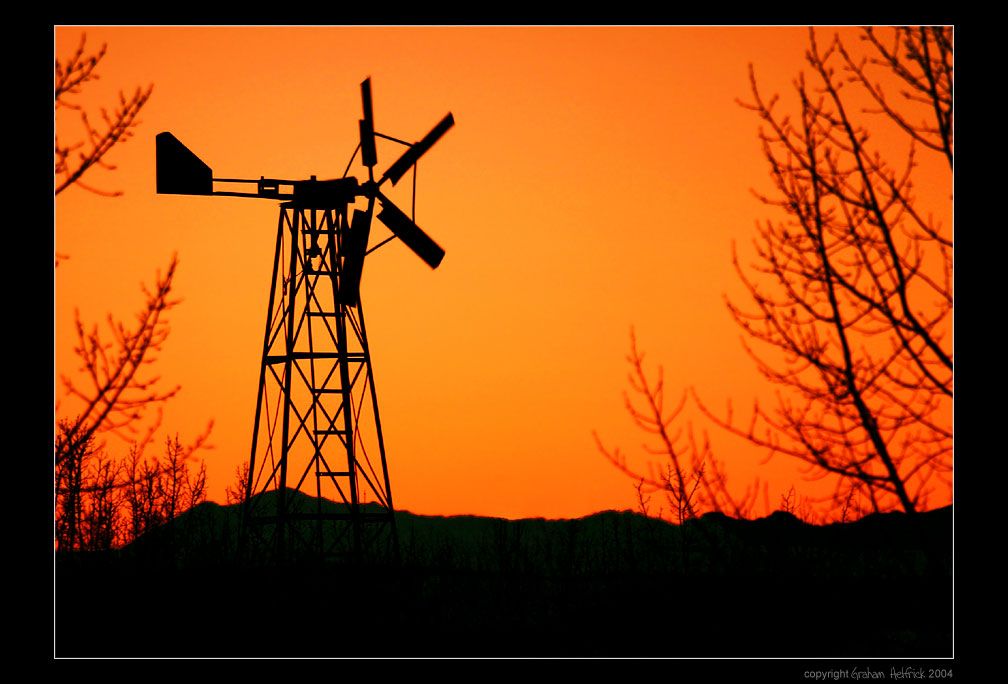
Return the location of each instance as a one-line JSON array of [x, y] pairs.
[[353, 261], [367, 136], [410, 156], [407, 231]]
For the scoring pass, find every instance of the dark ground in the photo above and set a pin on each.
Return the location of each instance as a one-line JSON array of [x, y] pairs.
[[613, 584]]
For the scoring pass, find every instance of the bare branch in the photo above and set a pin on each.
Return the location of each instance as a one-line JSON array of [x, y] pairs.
[[73, 160], [849, 326], [118, 392], [693, 481]]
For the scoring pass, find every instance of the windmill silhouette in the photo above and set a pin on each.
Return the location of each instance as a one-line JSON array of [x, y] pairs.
[[317, 396]]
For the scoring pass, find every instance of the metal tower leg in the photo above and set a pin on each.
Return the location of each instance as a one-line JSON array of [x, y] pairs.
[[315, 372]]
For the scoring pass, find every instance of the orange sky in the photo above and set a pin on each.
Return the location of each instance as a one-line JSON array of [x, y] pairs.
[[594, 180]]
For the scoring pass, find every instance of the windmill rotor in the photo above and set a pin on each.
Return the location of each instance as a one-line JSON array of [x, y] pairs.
[[394, 218], [179, 171]]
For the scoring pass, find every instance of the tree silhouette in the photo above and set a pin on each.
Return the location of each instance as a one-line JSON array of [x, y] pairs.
[[69, 486], [157, 491], [91, 151], [115, 399], [856, 326], [91, 489], [693, 480], [119, 390], [103, 504], [235, 494]]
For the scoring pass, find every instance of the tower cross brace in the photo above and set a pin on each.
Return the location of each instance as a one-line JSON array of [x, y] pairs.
[[316, 407]]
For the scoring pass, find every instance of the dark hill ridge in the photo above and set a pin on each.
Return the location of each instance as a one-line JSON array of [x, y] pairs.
[[613, 583], [610, 541]]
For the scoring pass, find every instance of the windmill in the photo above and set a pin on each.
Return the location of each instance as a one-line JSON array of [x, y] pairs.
[[316, 399]]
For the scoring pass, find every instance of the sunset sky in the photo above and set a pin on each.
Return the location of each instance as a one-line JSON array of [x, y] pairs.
[[594, 181]]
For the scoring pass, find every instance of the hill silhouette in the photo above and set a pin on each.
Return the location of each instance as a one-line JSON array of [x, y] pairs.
[[609, 584]]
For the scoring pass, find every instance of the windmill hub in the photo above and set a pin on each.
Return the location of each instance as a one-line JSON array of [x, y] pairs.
[[326, 194]]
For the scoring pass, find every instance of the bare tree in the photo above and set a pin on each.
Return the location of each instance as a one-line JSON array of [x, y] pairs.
[[89, 498], [855, 326], [69, 486], [117, 388], [115, 391], [103, 521], [73, 160], [693, 480], [157, 491], [235, 494]]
